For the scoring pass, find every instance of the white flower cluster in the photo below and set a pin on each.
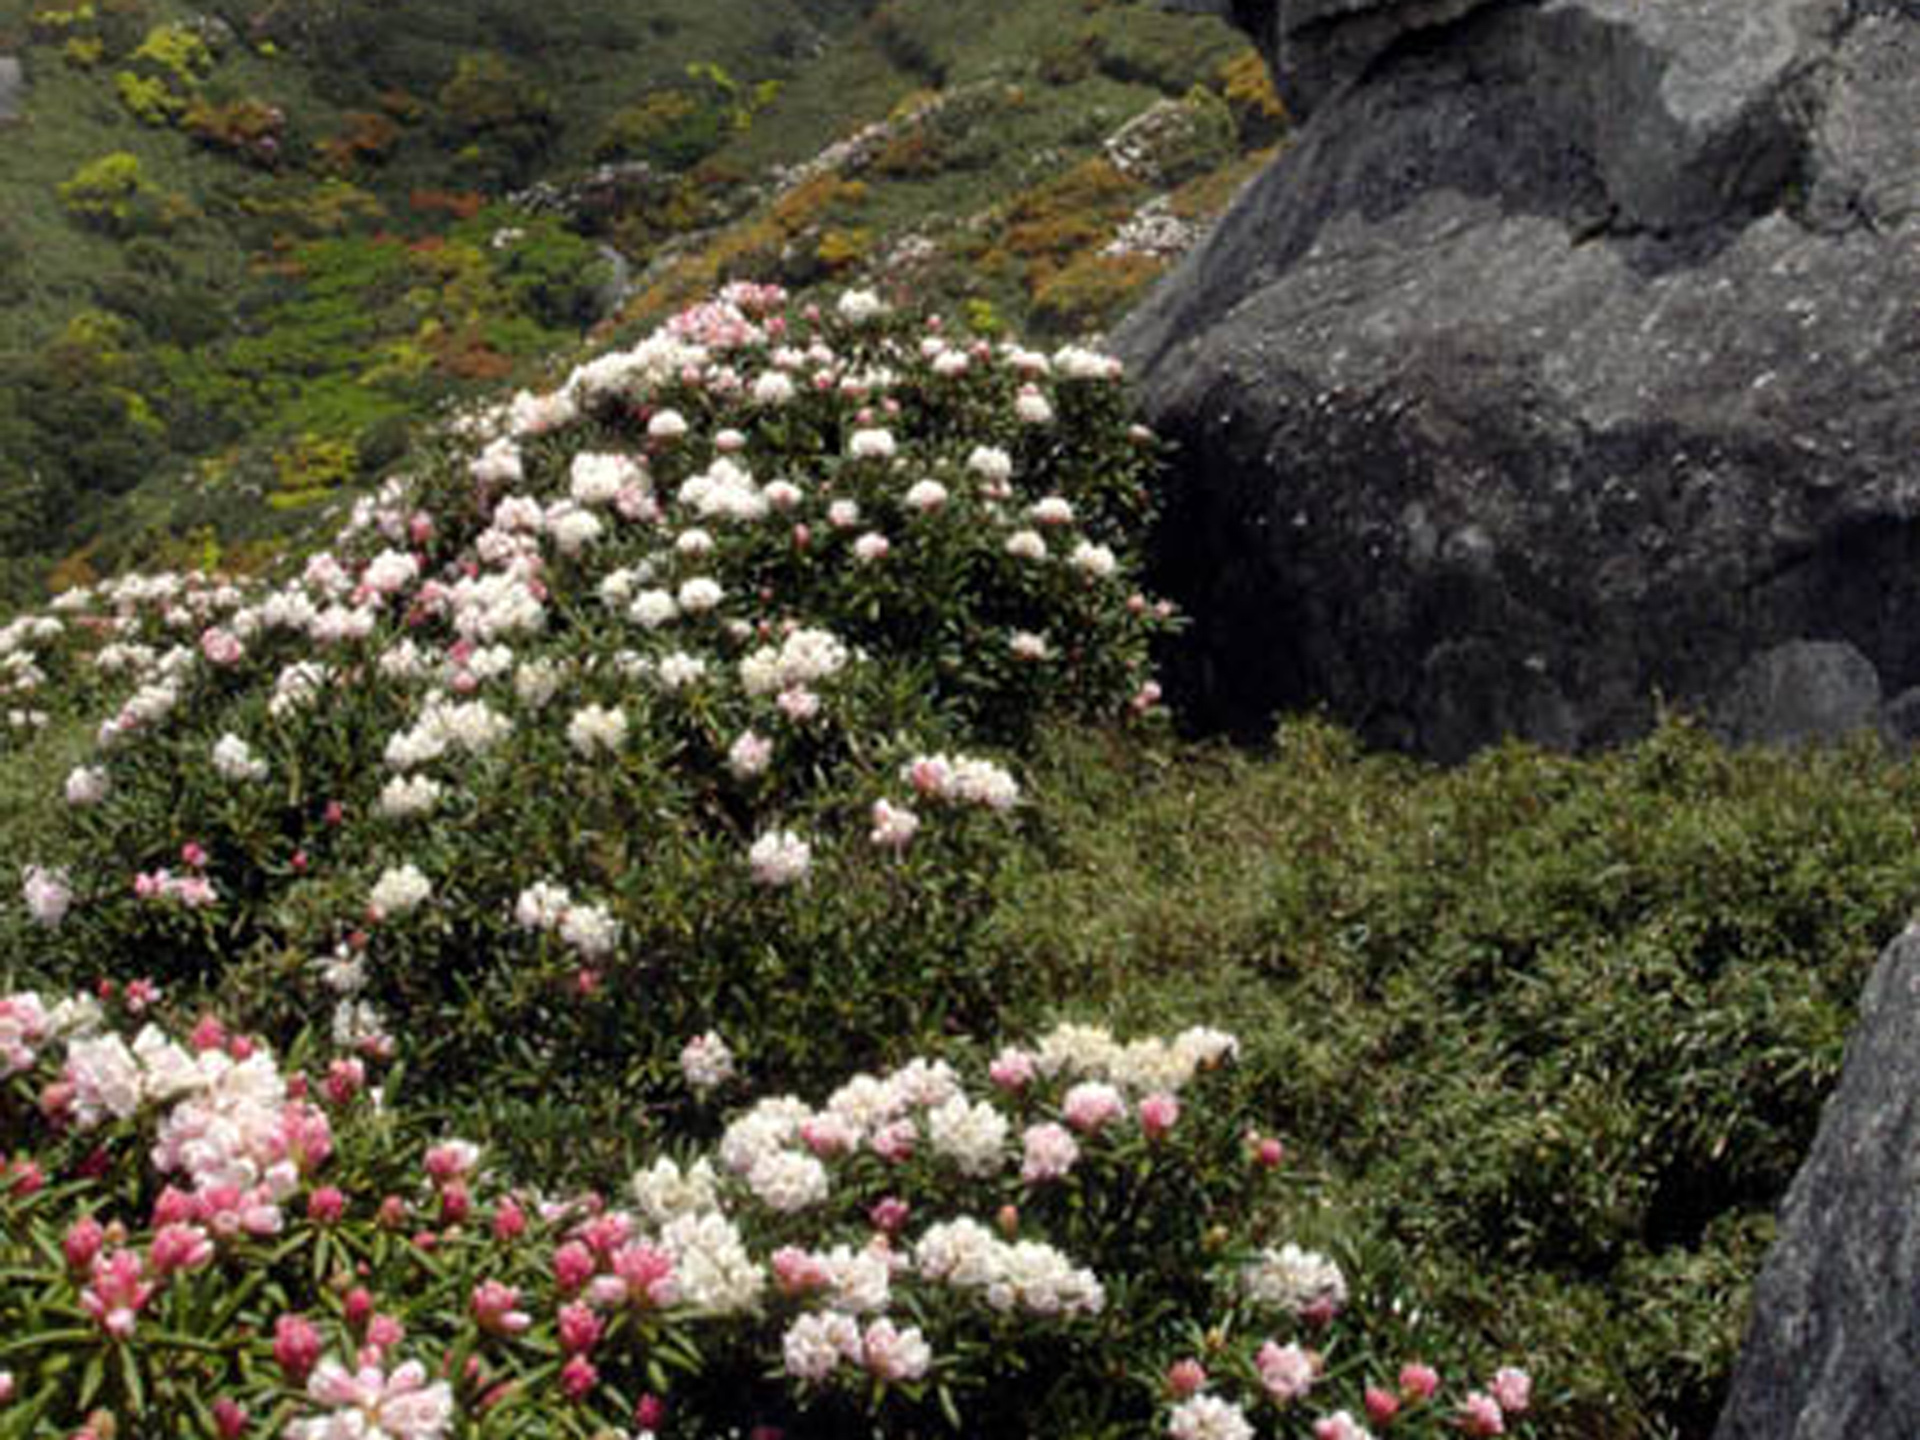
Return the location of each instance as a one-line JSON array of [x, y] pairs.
[[233, 759], [962, 779], [447, 725], [1025, 1275], [1295, 1280], [1142, 1066], [597, 729], [27, 1026], [816, 1344], [589, 930], [48, 895], [804, 658], [400, 890], [706, 1062], [779, 858]]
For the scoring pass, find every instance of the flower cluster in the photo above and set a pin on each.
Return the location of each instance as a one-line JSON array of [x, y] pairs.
[[851, 1248], [796, 585]]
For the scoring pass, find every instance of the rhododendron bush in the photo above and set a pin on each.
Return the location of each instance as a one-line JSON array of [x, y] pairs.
[[528, 972], [690, 693], [1070, 1238]]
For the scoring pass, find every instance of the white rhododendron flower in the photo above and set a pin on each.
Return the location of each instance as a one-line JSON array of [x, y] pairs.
[[233, 759], [780, 858], [1296, 1280], [399, 890], [48, 894], [706, 1062]]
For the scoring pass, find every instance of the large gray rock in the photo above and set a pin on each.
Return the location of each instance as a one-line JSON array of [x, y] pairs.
[[1568, 361], [1831, 1348]]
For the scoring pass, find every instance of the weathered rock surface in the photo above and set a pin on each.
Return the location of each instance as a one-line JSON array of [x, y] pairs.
[[1831, 1346], [1569, 360], [13, 83]]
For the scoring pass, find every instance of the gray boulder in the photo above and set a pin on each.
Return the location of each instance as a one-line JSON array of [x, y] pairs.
[[1568, 361], [1803, 692], [1831, 1346]]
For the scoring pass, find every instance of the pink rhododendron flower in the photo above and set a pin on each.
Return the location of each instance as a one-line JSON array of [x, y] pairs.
[[1051, 1153], [118, 1291], [1286, 1371], [1340, 1426], [496, 1306], [1480, 1415], [369, 1402], [1092, 1104], [1512, 1389]]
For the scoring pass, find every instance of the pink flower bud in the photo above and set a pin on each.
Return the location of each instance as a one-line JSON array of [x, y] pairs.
[[357, 1308], [1418, 1382], [1158, 1113], [82, 1242], [229, 1419], [179, 1247], [385, 1331], [509, 1221], [496, 1308], [650, 1413], [326, 1205], [1186, 1378], [26, 1178], [1382, 1405], [889, 1214], [343, 1082], [456, 1203], [173, 1206], [580, 1329], [296, 1347], [578, 1377], [573, 1266]]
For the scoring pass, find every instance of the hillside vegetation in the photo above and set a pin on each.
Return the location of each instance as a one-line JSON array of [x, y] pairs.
[[245, 244], [722, 806]]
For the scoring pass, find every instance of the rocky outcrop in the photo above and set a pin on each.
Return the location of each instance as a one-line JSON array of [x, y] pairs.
[[1830, 1347], [1569, 360]]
